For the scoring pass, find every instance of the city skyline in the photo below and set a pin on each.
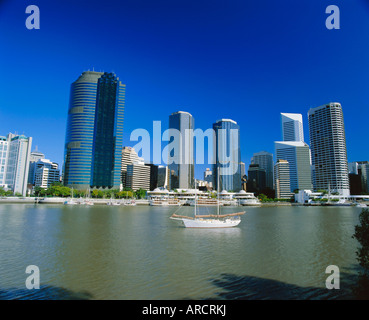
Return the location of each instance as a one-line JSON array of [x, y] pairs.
[[185, 77]]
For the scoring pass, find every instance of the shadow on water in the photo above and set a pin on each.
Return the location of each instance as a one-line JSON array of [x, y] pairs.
[[236, 287], [44, 293]]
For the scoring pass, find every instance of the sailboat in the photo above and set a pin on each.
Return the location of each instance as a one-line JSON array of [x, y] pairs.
[[88, 201], [209, 220], [71, 200]]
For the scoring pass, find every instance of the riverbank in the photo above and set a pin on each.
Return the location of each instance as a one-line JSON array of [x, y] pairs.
[[60, 200]]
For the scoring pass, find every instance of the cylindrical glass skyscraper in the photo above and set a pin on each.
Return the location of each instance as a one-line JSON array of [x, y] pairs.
[[94, 136]]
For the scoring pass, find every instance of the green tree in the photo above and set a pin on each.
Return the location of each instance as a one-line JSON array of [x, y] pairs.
[[362, 236], [263, 197], [362, 254], [65, 191], [140, 193]]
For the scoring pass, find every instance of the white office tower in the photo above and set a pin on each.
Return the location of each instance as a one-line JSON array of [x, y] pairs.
[[46, 173], [3, 160], [265, 161], [19, 151], [292, 128], [129, 156], [297, 153], [328, 148], [34, 157], [138, 176], [208, 178], [282, 179]]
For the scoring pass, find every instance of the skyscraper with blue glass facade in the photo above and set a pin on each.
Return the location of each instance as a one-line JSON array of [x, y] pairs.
[[227, 155], [181, 170], [94, 136]]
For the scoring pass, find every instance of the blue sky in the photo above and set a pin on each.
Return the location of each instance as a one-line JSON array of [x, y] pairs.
[[244, 60]]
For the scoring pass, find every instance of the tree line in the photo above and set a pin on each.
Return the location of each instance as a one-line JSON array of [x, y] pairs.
[[59, 190]]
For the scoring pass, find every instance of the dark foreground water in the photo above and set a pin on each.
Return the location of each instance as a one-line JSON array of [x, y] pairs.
[[103, 252]]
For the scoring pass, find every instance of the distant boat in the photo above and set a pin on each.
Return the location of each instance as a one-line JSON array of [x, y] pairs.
[[88, 202], [205, 202], [129, 203], [113, 203], [361, 205], [210, 220], [340, 202], [247, 199], [71, 201], [164, 202]]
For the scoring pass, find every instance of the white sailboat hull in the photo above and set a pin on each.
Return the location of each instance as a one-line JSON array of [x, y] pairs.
[[208, 223]]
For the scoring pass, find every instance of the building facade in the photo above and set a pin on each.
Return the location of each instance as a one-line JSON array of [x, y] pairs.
[[328, 148], [292, 127], [35, 156], [282, 179], [209, 178], [138, 176], [46, 173], [154, 170], [297, 153], [129, 156], [256, 178], [227, 155], [181, 154], [265, 161], [17, 151], [3, 159], [94, 135]]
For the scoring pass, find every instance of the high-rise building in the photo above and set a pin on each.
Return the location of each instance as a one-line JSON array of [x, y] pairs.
[[17, 162], [282, 179], [129, 156], [363, 171], [353, 167], [265, 161], [138, 176], [34, 157], [297, 153], [256, 180], [94, 136], [154, 169], [3, 159], [292, 128], [328, 148], [46, 173], [208, 178], [227, 155], [181, 170]]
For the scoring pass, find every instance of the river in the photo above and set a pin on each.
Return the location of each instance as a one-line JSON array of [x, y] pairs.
[[110, 252]]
